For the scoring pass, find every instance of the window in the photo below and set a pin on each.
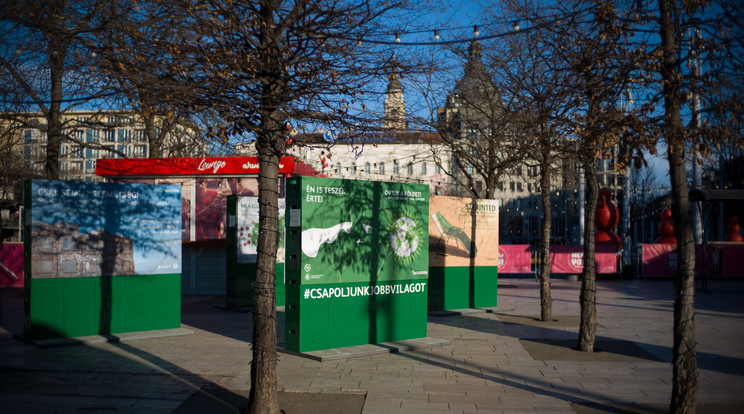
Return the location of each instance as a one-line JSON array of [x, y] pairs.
[[68, 243], [512, 186], [90, 166], [423, 168], [110, 136], [27, 136], [125, 150], [367, 168], [437, 169], [125, 135], [140, 151], [45, 266], [338, 168], [44, 243], [140, 135], [91, 135], [409, 169], [382, 168], [470, 168], [76, 166], [76, 151], [69, 266], [395, 168], [501, 186], [519, 186], [353, 168], [91, 153]]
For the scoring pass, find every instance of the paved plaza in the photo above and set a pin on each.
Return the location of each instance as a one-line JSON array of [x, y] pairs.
[[498, 360]]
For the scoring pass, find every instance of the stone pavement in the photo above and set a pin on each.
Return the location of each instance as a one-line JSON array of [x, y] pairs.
[[500, 360]]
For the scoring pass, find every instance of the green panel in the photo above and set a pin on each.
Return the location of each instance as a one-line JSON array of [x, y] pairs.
[[486, 287], [332, 322], [140, 301], [80, 306], [456, 288], [167, 306], [117, 308], [45, 319]]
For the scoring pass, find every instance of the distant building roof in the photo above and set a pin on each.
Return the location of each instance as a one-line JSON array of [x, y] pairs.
[[380, 137]]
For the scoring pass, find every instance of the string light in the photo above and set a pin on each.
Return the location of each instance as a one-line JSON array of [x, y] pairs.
[[515, 26], [397, 37], [475, 31], [436, 35]]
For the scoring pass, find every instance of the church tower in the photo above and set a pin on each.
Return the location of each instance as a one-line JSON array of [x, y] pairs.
[[395, 106]]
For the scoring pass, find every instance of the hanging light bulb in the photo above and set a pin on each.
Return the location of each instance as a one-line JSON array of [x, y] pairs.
[[18, 51], [475, 31], [515, 26], [436, 35], [397, 37]]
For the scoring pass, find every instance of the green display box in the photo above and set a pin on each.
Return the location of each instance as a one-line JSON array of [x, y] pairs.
[[241, 251], [357, 262]]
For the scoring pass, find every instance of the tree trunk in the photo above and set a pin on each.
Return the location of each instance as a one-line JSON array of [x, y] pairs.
[[270, 144], [684, 360], [546, 301], [154, 139], [588, 296], [54, 116], [263, 395]]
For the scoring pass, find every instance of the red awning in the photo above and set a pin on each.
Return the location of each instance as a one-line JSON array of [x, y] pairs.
[[186, 166]]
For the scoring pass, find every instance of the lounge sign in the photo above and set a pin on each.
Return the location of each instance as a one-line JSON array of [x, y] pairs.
[[186, 166]]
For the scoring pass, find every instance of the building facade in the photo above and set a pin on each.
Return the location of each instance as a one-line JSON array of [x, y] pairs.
[[90, 135]]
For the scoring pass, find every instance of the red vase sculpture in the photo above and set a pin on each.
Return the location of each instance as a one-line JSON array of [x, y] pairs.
[[666, 228], [732, 231], [606, 218]]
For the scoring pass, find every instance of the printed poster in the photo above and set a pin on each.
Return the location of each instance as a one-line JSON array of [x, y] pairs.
[[451, 231], [363, 231], [82, 229], [247, 223]]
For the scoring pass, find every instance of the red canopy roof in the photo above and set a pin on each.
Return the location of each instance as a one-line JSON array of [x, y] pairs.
[[186, 166]]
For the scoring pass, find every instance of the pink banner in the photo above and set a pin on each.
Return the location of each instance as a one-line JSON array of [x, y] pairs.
[[733, 259], [514, 258], [11, 264], [570, 259], [661, 259]]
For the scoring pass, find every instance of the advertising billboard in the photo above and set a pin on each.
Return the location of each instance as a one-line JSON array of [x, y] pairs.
[[361, 231], [94, 229], [454, 238], [464, 252], [358, 258], [247, 230], [101, 258]]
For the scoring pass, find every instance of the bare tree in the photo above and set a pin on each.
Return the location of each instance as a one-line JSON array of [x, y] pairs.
[[51, 66], [132, 54], [543, 99], [259, 64]]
